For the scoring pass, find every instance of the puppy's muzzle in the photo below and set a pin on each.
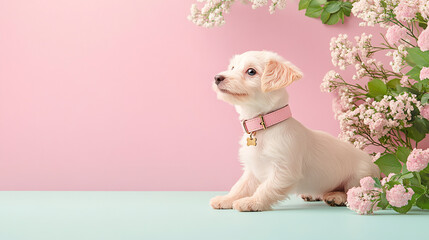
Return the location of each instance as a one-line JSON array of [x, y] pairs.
[[219, 79]]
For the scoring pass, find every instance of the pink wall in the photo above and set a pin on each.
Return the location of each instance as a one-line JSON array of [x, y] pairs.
[[116, 95]]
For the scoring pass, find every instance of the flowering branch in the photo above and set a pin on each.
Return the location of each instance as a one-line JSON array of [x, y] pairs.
[[213, 11], [392, 110]]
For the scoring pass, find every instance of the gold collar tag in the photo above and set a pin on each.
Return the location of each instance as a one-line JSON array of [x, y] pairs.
[[251, 140]]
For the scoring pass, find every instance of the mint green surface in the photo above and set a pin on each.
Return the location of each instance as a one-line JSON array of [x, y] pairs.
[[187, 215]]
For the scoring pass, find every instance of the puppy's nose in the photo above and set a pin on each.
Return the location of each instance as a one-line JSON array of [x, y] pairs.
[[219, 78]]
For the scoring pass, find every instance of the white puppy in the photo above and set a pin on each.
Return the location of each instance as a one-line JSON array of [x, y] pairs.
[[288, 157]]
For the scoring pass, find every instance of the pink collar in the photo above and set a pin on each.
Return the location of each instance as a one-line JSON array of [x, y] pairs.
[[267, 120]]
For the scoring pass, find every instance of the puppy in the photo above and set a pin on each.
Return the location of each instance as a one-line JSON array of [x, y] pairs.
[[286, 157]]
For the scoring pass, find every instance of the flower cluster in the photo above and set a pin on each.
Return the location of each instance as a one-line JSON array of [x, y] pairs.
[[395, 33], [371, 118], [213, 11], [212, 14], [345, 53], [398, 196], [275, 4], [423, 41], [418, 160], [364, 199], [374, 12], [406, 10], [398, 55], [367, 198], [424, 9], [424, 73]]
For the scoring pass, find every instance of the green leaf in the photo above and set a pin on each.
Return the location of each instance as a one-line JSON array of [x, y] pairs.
[[418, 86], [424, 176], [341, 12], [377, 183], [404, 209], [333, 19], [421, 124], [314, 9], [404, 168], [407, 89], [303, 4], [416, 57], [402, 153], [415, 134], [425, 83], [415, 73], [333, 7], [394, 83], [376, 88], [425, 98], [407, 175], [348, 5], [418, 190], [347, 11], [325, 16], [388, 163], [383, 201], [423, 201]]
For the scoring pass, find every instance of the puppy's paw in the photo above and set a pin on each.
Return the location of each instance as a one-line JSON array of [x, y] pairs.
[[249, 204], [221, 202], [335, 199], [309, 198]]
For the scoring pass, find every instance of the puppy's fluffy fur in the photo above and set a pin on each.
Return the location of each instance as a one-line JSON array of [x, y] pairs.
[[289, 158]]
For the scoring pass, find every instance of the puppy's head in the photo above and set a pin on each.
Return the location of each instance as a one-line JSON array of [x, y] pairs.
[[254, 76]]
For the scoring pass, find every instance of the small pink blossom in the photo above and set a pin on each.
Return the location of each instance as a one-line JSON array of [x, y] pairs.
[[425, 112], [423, 41], [424, 73], [406, 10], [387, 179], [395, 33], [418, 160], [404, 80], [398, 196], [367, 183], [362, 201]]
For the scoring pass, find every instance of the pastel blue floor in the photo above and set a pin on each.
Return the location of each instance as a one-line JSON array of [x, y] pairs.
[[187, 215]]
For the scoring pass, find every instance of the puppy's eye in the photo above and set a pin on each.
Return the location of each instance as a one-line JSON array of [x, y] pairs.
[[251, 71]]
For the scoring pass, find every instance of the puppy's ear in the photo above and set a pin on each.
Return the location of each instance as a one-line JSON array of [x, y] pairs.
[[279, 74]]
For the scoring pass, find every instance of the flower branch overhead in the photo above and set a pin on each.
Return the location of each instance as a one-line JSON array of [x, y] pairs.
[[213, 12]]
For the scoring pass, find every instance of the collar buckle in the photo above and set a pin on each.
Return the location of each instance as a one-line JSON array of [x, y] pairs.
[[245, 128], [262, 121]]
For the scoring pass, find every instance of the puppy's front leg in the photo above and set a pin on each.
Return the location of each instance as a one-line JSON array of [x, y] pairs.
[[244, 187], [274, 189]]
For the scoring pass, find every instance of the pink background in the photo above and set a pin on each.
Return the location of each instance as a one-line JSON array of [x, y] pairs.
[[116, 95]]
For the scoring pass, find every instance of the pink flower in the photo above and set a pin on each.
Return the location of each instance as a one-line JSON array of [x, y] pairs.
[[418, 160], [362, 201], [406, 10], [425, 112], [367, 183], [424, 73], [423, 41], [395, 33], [398, 196], [404, 80], [387, 179]]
